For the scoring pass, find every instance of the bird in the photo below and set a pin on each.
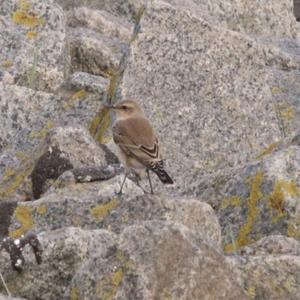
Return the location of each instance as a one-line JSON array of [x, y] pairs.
[[138, 146]]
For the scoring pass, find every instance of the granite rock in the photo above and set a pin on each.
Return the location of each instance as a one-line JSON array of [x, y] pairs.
[[33, 43], [255, 200]]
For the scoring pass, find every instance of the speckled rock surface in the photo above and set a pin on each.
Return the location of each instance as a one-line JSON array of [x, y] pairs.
[[149, 260], [256, 200], [95, 205], [219, 81], [253, 17], [64, 252], [268, 276], [157, 260], [273, 244], [26, 118], [4, 297], [76, 141], [33, 43], [204, 88]]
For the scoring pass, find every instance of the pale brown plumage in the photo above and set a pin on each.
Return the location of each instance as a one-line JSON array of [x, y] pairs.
[[135, 137]]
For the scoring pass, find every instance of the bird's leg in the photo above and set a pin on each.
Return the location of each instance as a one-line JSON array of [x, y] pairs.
[[149, 178], [120, 192], [137, 179]]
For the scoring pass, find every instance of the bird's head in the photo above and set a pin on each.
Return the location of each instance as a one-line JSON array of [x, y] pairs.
[[126, 109]]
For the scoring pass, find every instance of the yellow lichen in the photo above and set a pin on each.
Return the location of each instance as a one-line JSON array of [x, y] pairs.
[[293, 229], [267, 150], [230, 201], [24, 16], [7, 189], [7, 63], [251, 292], [40, 134], [107, 288], [124, 261], [99, 125], [287, 112], [79, 94], [101, 211], [31, 34], [26, 19], [276, 90], [117, 277], [254, 197], [277, 197], [23, 215], [74, 294], [42, 209], [166, 294], [9, 172]]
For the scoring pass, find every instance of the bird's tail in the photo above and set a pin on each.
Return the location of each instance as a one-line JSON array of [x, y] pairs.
[[158, 169]]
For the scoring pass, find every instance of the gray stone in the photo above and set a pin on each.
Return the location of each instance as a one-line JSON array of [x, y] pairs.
[[170, 262], [33, 44], [119, 8], [95, 205], [100, 21], [3, 297], [26, 118], [273, 244], [93, 52], [64, 251], [23, 111], [150, 258], [268, 276], [156, 260], [256, 200], [253, 17], [78, 145], [204, 88], [88, 82]]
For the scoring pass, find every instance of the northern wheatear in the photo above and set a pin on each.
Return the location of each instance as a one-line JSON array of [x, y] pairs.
[[135, 138]]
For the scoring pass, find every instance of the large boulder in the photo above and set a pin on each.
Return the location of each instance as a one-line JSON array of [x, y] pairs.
[[269, 268], [27, 116], [256, 200], [150, 260], [206, 89], [95, 205]]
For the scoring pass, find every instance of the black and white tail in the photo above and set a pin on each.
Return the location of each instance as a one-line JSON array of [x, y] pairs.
[[158, 169]]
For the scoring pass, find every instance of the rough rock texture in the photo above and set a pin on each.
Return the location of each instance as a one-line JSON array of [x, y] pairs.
[[273, 244], [38, 55], [214, 81], [253, 17], [2, 297], [220, 82], [95, 205], [259, 199], [135, 265], [268, 276]]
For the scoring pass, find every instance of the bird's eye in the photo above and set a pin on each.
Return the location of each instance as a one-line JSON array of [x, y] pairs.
[[124, 107]]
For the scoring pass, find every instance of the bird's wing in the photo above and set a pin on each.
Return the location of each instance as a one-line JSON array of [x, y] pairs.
[[136, 138]]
